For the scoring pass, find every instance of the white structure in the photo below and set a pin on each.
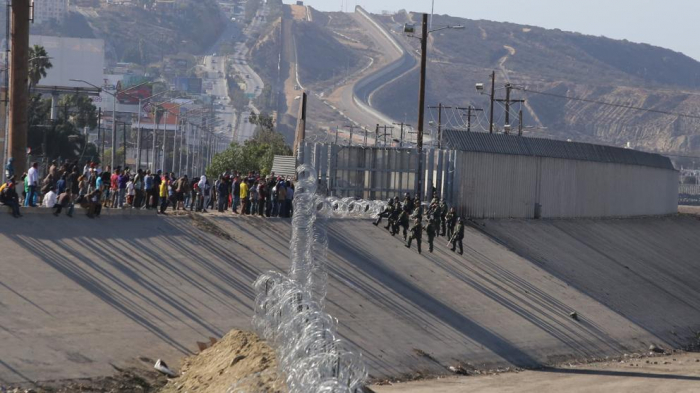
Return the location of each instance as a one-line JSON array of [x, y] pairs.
[[72, 58], [46, 10]]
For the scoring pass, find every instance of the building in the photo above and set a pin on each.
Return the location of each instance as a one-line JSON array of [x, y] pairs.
[[46, 10], [508, 176]]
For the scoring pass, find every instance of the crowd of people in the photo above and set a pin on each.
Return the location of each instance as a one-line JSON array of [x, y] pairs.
[[94, 188], [439, 221]]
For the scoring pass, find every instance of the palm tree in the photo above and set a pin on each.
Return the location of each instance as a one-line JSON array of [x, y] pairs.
[[39, 62]]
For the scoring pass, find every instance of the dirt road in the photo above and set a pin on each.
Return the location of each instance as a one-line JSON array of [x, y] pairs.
[[673, 373]]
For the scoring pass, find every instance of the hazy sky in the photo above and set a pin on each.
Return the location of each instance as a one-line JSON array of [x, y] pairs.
[[665, 23]]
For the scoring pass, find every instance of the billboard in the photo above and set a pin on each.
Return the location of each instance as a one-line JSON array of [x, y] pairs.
[[72, 58]]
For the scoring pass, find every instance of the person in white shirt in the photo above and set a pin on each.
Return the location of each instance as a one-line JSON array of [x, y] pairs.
[[50, 199], [130, 192], [33, 179]]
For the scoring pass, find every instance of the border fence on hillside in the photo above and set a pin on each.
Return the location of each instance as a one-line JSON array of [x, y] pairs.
[[378, 172], [689, 194]]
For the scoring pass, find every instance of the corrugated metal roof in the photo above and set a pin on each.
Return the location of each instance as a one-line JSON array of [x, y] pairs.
[[539, 147], [284, 166]]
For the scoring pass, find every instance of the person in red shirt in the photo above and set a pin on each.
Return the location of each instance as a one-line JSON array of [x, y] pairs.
[[114, 187]]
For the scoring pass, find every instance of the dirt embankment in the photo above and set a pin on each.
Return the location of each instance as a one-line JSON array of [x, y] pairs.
[[240, 360]]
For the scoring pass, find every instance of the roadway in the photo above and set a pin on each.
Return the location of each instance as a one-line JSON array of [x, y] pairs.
[[232, 124]]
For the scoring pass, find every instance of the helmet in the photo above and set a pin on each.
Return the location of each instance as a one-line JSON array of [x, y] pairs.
[[396, 199], [391, 200], [407, 195]]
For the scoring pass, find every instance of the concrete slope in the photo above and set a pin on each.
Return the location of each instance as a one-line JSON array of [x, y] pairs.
[[78, 296], [643, 269]]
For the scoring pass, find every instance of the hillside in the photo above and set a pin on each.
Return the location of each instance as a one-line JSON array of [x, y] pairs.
[[562, 63], [142, 35], [549, 61]]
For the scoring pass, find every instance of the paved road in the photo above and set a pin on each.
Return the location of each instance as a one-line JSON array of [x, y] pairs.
[[671, 374], [78, 296]]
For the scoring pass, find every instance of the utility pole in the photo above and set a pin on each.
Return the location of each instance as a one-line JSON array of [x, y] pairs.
[[352, 128], [520, 122], [440, 108], [386, 128], [470, 116], [19, 93], [402, 124], [493, 97], [508, 101], [421, 103], [124, 140], [376, 136], [336, 134]]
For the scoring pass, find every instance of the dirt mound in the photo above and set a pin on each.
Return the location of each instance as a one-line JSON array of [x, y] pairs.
[[240, 360]]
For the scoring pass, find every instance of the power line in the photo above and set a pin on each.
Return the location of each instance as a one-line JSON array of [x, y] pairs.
[[632, 107]]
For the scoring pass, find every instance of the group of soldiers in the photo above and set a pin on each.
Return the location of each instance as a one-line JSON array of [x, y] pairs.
[[439, 221]]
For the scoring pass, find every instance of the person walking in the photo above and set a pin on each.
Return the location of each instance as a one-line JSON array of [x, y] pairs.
[[386, 213], [33, 182], [123, 179], [203, 192], [10, 168], [163, 194], [431, 231], [451, 219], [222, 193], [243, 192], [416, 234], [403, 222], [236, 188], [458, 236], [94, 205], [443, 216], [289, 197], [281, 199], [253, 198]]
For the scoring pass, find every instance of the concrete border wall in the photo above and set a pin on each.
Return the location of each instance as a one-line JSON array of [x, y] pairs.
[[510, 186]]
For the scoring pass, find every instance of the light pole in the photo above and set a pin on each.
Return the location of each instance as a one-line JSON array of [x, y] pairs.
[[138, 131], [114, 113], [421, 92]]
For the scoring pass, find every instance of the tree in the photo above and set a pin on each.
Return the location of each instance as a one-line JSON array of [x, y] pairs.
[[256, 154], [62, 138], [39, 62]]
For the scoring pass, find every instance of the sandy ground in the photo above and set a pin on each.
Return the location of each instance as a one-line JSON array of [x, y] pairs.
[[675, 373], [689, 210]]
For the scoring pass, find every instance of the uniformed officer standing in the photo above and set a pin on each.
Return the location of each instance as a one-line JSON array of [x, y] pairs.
[[458, 236], [443, 216], [451, 219], [416, 233], [403, 221]]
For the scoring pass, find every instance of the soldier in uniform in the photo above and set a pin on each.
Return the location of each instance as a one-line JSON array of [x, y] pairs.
[[443, 216], [451, 219], [386, 213], [431, 231], [408, 203], [417, 209], [403, 221], [458, 236], [393, 226], [416, 233]]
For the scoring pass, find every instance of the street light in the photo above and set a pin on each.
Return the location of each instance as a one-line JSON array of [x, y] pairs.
[[421, 92], [138, 131], [114, 113]]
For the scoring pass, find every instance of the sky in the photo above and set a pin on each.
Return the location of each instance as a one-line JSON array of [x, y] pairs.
[[665, 23]]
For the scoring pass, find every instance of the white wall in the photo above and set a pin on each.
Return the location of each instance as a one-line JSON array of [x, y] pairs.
[[509, 186]]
